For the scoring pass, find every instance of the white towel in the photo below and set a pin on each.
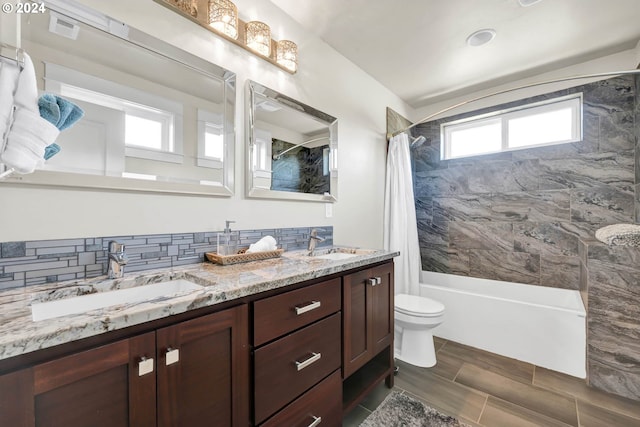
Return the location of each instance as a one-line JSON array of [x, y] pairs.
[[26, 141], [27, 133], [267, 243], [9, 74]]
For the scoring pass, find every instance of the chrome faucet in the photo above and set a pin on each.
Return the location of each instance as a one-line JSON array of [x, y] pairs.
[[117, 260], [313, 239]]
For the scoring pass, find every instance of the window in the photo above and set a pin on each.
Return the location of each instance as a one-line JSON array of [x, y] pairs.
[[149, 126], [554, 121], [211, 145]]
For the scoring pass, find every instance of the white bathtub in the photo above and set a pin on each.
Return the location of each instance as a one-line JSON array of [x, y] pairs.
[[535, 324]]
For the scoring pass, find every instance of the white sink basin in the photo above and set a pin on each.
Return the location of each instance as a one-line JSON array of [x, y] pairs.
[[74, 305], [336, 256]]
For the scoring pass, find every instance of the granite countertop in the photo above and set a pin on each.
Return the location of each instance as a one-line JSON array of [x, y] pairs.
[[19, 334]]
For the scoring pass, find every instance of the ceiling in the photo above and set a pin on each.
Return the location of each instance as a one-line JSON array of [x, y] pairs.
[[417, 48]]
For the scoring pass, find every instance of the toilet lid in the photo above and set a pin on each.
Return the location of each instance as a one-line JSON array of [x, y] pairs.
[[414, 305]]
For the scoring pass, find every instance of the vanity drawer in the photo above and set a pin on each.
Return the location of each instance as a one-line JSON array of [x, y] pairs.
[[286, 368], [280, 314], [322, 405]]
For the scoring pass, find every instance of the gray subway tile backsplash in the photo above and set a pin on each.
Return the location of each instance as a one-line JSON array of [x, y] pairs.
[[45, 261]]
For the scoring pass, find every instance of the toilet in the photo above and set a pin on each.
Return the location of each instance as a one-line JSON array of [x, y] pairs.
[[415, 318]]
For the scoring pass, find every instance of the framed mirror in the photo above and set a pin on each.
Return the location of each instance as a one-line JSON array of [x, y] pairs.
[[156, 119], [292, 148]]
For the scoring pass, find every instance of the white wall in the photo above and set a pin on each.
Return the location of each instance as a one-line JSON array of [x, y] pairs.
[[9, 29], [325, 80]]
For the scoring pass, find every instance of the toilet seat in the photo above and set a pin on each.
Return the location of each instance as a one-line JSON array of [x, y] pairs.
[[413, 305]]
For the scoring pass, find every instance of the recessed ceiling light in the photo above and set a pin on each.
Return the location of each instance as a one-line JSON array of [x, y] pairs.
[[526, 3], [481, 37]]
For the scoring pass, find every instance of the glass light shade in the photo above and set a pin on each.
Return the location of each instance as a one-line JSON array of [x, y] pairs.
[[258, 37], [287, 54], [188, 6], [223, 17]]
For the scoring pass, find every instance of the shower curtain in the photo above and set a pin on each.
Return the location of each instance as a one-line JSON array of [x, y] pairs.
[[400, 225]]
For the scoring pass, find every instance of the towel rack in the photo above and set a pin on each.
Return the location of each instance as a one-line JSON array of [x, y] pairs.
[[16, 54], [12, 53]]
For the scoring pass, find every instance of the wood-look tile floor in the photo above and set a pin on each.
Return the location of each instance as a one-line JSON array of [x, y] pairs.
[[488, 390]]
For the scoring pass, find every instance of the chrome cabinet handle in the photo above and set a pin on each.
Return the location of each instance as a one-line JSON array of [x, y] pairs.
[[374, 281], [316, 421], [145, 366], [172, 356], [308, 307], [314, 358]]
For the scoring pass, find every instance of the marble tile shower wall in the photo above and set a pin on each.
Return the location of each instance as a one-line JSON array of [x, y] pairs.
[[36, 262], [529, 216], [613, 318], [519, 216]]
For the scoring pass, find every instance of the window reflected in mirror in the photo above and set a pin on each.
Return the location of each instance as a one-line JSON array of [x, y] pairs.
[[156, 117]]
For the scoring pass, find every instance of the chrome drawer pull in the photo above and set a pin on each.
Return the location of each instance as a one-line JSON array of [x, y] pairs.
[[378, 280], [316, 421], [172, 356], [314, 358], [145, 366], [308, 307]]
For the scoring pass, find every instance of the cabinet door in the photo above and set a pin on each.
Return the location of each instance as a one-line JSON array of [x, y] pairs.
[[368, 315], [381, 299], [101, 387], [356, 346], [203, 371]]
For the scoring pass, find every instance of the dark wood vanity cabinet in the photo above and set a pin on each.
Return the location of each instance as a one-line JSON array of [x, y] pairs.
[[203, 371], [187, 374], [367, 298], [100, 387], [297, 357], [317, 351]]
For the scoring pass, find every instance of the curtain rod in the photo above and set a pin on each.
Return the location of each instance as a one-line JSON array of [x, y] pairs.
[[500, 92], [279, 155]]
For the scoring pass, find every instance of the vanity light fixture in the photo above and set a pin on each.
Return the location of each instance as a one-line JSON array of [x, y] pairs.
[[287, 54], [223, 17], [258, 37]]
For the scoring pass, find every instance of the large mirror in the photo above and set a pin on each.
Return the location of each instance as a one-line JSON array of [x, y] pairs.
[[292, 148], [156, 117]]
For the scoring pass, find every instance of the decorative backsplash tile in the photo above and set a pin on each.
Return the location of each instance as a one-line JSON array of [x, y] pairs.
[[44, 261]]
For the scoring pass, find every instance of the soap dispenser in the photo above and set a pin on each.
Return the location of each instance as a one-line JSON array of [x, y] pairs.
[[228, 240]]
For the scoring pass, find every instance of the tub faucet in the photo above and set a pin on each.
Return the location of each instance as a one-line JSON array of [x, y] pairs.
[[313, 239], [117, 260]]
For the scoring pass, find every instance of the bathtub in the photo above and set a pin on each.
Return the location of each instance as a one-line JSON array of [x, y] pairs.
[[535, 324]]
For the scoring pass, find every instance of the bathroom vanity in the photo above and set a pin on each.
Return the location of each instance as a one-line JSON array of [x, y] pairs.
[[290, 341]]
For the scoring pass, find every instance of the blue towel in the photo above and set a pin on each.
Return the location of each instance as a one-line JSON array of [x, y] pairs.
[[51, 150], [60, 112]]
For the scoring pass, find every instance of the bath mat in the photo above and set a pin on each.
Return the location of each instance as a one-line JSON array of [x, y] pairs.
[[400, 410]]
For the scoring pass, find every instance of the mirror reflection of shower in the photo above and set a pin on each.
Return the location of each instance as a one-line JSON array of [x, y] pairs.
[[303, 167], [279, 155]]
